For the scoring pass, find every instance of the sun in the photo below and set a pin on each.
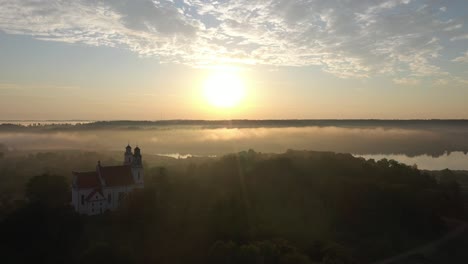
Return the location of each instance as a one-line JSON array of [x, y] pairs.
[[224, 89]]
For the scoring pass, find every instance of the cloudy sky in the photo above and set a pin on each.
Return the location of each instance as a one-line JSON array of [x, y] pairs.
[[142, 59]]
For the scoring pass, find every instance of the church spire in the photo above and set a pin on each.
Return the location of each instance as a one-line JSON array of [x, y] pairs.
[[137, 158], [128, 156]]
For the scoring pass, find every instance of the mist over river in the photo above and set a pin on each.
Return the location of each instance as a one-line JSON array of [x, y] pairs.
[[454, 161], [430, 144]]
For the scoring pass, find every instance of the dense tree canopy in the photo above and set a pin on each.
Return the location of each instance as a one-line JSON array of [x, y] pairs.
[[296, 207], [48, 190]]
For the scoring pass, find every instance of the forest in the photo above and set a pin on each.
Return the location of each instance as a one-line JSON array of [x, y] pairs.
[[247, 207]]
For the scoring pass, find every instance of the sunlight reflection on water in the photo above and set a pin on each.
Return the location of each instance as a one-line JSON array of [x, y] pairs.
[[183, 156], [454, 160]]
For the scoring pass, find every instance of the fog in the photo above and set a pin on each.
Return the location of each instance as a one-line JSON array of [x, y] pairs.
[[191, 140], [453, 161]]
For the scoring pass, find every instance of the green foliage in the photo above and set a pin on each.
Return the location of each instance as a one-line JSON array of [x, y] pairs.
[[17, 169], [257, 252], [49, 190], [241, 208], [39, 234], [3, 148], [104, 253], [44, 230]]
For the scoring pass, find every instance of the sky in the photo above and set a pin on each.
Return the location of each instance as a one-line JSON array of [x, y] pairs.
[[151, 60]]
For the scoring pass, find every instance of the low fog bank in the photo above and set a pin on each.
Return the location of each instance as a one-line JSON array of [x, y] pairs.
[[411, 140], [64, 125]]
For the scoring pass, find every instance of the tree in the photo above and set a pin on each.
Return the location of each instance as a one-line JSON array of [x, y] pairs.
[[48, 190], [3, 150], [104, 253]]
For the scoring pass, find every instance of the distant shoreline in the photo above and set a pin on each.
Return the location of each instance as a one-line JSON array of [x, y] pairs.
[[282, 122], [223, 120]]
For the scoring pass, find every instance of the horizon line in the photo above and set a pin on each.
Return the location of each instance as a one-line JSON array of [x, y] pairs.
[[236, 119]]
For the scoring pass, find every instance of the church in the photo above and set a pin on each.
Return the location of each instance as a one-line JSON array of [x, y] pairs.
[[94, 192]]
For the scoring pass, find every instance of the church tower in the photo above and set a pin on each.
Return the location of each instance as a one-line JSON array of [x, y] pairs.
[[137, 167], [128, 156]]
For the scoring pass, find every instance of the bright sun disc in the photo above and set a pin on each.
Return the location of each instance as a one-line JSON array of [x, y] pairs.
[[224, 90]]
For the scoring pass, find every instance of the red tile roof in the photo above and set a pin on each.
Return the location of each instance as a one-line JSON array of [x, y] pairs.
[[117, 175], [86, 180], [112, 175]]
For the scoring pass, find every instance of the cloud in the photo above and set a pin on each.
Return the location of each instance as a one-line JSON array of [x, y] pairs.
[[463, 58], [450, 81], [407, 81], [461, 37], [357, 39], [453, 27]]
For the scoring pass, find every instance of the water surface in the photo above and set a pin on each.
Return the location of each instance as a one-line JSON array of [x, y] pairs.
[[454, 160]]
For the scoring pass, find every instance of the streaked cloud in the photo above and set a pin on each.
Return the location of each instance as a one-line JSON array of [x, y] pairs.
[[356, 39], [461, 37], [407, 81], [463, 58]]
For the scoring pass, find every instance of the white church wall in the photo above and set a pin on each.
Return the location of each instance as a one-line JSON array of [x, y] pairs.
[[138, 175], [115, 197], [112, 197], [96, 207], [81, 205], [93, 206]]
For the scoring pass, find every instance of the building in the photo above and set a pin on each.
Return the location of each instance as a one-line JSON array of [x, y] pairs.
[[94, 192]]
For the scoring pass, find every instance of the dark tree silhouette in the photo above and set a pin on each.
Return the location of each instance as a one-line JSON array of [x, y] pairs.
[[49, 190]]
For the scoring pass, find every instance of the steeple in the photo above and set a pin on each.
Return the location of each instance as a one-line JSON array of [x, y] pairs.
[[137, 151], [137, 167], [128, 156], [137, 158]]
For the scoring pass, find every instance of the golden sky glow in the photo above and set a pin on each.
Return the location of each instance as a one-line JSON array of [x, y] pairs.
[[168, 59], [224, 89]]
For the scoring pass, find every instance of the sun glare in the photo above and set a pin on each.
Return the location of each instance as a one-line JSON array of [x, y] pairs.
[[224, 89]]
